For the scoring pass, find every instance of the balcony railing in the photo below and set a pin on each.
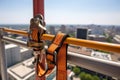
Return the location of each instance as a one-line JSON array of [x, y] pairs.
[[106, 67]]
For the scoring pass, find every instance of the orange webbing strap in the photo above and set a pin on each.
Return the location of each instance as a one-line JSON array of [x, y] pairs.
[[40, 69], [56, 44], [61, 61], [50, 56], [55, 55], [37, 29]]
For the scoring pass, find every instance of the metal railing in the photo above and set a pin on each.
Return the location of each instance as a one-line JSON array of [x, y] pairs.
[[110, 47], [106, 67]]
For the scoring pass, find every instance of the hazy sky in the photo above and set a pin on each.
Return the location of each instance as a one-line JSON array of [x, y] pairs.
[[63, 11]]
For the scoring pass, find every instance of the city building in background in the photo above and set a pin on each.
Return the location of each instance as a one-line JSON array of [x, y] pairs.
[[94, 37], [26, 53], [16, 54], [101, 55], [63, 28], [116, 39], [52, 30], [82, 33], [13, 55], [22, 71]]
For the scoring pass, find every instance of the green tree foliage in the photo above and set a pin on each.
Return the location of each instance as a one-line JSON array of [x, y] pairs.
[[72, 34], [76, 70], [88, 77], [109, 39], [85, 76], [104, 79], [82, 75], [95, 77]]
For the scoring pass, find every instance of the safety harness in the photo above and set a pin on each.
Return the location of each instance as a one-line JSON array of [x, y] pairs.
[[36, 30], [56, 55], [46, 59]]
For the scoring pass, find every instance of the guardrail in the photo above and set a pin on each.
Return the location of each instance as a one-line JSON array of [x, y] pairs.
[[110, 47], [106, 67]]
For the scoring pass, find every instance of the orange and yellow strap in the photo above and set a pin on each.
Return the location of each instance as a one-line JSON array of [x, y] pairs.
[[58, 48], [61, 63]]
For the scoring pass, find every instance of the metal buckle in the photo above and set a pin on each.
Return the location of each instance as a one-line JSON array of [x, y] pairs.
[[35, 44], [54, 57]]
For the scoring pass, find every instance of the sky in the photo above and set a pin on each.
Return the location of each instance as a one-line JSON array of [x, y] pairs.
[[104, 12]]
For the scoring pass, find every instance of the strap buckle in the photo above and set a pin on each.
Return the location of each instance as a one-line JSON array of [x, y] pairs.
[[35, 44], [51, 58], [36, 30]]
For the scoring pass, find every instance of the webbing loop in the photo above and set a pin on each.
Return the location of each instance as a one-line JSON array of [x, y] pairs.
[[36, 30], [54, 54]]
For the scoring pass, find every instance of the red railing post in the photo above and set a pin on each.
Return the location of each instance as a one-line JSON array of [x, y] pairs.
[[38, 7]]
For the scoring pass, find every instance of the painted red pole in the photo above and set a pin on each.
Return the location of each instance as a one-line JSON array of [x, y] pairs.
[[38, 7]]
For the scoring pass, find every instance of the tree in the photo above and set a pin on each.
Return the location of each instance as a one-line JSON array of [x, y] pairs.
[[95, 77], [109, 39], [88, 77], [82, 75], [85, 76], [76, 70], [104, 79]]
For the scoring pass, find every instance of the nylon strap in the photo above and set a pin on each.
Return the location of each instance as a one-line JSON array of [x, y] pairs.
[[61, 73], [34, 37], [61, 62], [58, 48]]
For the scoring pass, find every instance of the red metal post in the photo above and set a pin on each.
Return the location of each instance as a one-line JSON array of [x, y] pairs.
[[38, 7]]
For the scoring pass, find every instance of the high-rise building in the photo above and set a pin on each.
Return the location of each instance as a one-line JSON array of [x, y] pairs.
[[82, 33], [63, 29], [52, 30], [13, 55]]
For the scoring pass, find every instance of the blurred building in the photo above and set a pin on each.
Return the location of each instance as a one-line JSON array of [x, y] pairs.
[[80, 50], [16, 54], [25, 53], [101, 38], [52, 30], [96, 29], [82, 33], [22, 71], [101, 55], [63, 29], [116, 39], [13, 55]]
